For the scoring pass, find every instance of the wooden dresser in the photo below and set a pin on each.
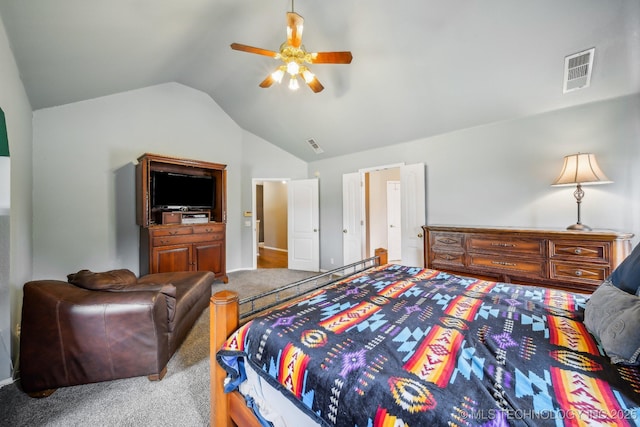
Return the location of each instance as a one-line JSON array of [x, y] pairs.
[[572, 260]]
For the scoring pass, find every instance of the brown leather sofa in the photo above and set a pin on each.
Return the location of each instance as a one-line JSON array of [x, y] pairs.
[[106, 326]]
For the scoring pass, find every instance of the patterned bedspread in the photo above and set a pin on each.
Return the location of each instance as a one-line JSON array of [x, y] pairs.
[[398, 346]]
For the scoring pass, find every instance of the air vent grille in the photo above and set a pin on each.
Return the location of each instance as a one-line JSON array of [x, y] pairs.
[[314, 146], [577, 70]]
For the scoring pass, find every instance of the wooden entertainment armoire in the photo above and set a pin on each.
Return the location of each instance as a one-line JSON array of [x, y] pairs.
[[176, 238]]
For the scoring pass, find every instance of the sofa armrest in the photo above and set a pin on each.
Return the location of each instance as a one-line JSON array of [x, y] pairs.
[[166, 289], [72, 336]]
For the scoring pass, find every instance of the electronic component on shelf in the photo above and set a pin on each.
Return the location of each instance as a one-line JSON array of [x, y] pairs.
[[179, 217], [195, 218]]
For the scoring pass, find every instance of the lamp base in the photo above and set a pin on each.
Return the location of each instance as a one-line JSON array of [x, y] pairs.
[[579, 227]]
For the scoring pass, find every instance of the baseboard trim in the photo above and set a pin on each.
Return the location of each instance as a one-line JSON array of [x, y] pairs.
[[6, 381], [276, 249], [241, 269]]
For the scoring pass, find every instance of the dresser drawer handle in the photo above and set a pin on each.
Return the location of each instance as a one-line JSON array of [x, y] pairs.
[[164, 242], [173, 233], [505, 245], [578, 273], [447, 241], [509, 264]]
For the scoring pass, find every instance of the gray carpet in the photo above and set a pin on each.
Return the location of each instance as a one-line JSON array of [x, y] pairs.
[[180, 399]]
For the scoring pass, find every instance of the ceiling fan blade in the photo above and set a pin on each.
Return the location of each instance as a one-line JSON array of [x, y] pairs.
[[315, 85], [251, 49], [294, 29], [267, 82], [331, 58]]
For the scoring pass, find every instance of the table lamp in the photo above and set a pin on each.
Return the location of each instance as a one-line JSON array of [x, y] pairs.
[[580, 169]]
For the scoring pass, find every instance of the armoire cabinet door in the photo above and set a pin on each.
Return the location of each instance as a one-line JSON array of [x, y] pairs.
[[171, 258], [209, 256]]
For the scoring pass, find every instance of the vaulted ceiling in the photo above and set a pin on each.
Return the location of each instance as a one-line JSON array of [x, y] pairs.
[[420, 67]]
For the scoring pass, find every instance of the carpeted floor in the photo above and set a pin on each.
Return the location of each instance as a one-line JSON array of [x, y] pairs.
[[180, 399]]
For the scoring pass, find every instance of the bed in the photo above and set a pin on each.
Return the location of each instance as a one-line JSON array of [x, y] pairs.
[[395, 345]]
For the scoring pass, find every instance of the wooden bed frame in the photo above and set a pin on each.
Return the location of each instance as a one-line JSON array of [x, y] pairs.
[[229, 409]]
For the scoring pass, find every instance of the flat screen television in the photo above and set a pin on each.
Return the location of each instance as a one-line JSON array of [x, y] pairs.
[[179, 191]]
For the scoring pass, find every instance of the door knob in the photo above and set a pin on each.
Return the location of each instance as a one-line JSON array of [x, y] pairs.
[[344, 231], [420, 235], [315, 230]]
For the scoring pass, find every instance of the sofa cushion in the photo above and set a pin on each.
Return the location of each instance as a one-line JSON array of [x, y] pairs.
[[103, 281]]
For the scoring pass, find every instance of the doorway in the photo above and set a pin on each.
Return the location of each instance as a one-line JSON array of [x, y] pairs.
[[271, 223], [289, 223], [367, 219], [382, 211]]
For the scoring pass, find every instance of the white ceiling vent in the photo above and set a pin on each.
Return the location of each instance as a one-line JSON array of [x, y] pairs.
[[314, 146], [577, 70]]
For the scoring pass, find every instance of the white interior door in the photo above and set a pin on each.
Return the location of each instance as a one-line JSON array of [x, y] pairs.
[[413, 205], [303, 225], [352, 218], [394, 222]]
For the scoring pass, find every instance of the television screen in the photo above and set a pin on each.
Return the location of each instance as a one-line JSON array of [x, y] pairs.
[[173, 190]]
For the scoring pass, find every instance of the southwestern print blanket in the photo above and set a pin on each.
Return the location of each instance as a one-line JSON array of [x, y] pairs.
[[403, 346]]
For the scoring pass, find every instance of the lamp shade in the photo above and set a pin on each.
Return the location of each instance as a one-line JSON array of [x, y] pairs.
[[581, 168]]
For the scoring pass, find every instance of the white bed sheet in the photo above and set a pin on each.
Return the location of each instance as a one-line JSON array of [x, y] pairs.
[[273, 406]]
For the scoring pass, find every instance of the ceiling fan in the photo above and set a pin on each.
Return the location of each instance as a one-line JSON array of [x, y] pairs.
[[294, 56]]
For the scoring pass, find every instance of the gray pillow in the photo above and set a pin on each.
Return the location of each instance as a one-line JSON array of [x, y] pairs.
[[613, 317]]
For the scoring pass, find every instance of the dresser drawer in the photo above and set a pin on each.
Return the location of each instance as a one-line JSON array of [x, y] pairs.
[[216, 229], [507, 265], [208, 236], [170, 231], [447, 241], [500, 245], [578, 272], [447, 259], [579, 251], [184, 239]]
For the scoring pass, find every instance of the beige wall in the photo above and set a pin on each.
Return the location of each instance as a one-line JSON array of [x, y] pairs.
[[275, 215]]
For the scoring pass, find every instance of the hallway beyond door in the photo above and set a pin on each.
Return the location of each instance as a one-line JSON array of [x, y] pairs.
[[271, 258]]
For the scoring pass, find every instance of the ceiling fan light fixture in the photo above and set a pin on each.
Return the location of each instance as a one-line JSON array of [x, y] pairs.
[[293, 68], [278, 74], [294, 55], [293, 83], [308, 76]]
